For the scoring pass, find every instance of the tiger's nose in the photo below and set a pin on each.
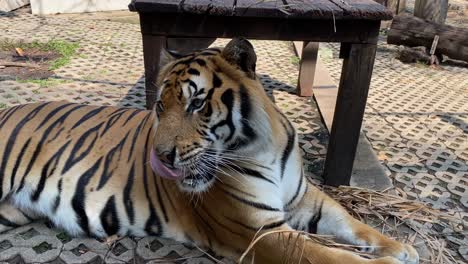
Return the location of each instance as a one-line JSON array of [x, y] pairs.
[[167, 157]]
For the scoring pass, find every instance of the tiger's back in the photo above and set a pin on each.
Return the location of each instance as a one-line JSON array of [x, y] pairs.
[[61, 159]]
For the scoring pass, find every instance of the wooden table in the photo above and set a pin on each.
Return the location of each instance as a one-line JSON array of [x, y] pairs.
[[353, 23]]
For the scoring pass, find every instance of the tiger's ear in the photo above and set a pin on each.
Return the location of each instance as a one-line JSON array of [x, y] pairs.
[[168, 56], [241, 53]]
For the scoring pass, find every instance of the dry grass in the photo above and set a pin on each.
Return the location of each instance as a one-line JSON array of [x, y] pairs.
[[393, 214], [404, 220]]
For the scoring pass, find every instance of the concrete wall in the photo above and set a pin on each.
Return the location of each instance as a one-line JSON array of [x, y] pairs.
[[8, 5], [43, 7]]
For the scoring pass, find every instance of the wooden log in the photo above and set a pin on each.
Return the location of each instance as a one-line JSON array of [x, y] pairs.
[[412, 32], [432, 10]]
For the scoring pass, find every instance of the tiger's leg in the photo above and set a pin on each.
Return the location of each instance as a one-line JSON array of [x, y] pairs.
[[12, 217], [318, 213], [286, 245]]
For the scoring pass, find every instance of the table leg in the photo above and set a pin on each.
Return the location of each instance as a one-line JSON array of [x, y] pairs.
[[349, 111], [152, 47], [307, 68]]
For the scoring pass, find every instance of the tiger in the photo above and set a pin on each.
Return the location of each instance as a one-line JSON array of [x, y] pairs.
[[214, 163]]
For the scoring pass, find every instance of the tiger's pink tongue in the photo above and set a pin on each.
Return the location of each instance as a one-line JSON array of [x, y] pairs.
[[160, 169]]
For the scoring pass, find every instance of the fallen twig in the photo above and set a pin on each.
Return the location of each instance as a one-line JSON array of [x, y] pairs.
[[18, 64]]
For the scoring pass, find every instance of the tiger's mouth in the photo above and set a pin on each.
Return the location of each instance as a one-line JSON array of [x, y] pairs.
[[195, 178], [197, 182]]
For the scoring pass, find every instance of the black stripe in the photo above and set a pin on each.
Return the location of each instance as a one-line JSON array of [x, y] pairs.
[[88, 115], [301, 179], [313, 223], [130, 116], [201, 62], [127, 199], [218, 222], [204, 222], [51, 114], [56, 134], [30, 219], [197, 93], [78, 200], [225, 184], [114, 117], [8, 113], [193, 71], [256, 174], [160, 201], [45, 134], [153, 220], [91, 135], [6, 222], [251, 203], [18, 162], [207, 53], [228, 99], [48, 170], [109, 161], [12, 140], [217, 50], [57, 199], [288, 148], [246, 109], [264, 227], [109, 219], [291, 134], [136, 135], [167, 195], [216, 81]]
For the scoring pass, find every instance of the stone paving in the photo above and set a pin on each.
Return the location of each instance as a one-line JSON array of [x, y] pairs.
[[416, 120]]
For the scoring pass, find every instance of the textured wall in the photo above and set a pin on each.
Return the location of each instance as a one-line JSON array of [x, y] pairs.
[[42, 7]]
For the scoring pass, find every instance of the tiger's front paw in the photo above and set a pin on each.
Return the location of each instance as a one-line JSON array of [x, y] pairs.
[[405, 253], [409, 255]]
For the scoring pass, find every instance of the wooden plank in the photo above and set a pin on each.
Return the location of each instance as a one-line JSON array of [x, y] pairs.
[[325, 93], [368, 9], [185, 25], [307, 68], [349, 111], [317, 8], [209, 7], [258, 8], [313, 9]]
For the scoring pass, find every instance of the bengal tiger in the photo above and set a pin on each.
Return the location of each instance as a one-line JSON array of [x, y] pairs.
[[214, 163]]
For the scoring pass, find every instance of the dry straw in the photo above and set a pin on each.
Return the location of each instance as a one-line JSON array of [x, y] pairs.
[[404, 220]]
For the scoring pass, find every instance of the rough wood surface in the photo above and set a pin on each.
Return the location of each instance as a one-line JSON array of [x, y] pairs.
[[412, 32], [301, 9], [319, 30], [349, 110]]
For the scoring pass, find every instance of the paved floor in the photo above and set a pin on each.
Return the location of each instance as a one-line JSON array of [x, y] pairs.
[[416, 121]]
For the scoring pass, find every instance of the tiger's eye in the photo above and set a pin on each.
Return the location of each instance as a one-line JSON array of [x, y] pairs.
[[197, 103], [159, 107]]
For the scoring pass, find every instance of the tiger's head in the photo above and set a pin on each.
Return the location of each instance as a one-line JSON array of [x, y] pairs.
[[210, 113]]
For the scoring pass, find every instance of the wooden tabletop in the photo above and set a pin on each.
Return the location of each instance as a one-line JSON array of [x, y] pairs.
[[291, 9]]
